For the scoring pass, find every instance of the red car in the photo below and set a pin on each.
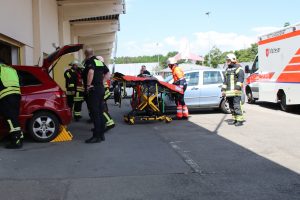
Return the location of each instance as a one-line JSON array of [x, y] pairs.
[[43, 105]]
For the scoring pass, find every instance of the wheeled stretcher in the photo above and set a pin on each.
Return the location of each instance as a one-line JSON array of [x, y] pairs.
[[147, 100]]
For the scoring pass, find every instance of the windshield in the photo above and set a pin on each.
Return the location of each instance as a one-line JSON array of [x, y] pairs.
[[168, 78]]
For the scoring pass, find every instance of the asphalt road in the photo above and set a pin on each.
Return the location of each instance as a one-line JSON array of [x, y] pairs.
[[203, 158]]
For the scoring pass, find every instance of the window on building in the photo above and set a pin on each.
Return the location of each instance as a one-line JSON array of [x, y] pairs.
[[27, 79], [9, 53], [212, 77]]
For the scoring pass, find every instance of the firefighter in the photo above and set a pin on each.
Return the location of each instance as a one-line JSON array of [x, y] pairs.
[[232, 88], [179, 79], [10, 98], [75, 89], [109, 122]]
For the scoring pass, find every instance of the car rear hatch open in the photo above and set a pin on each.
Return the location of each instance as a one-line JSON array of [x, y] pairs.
[[49, 62]]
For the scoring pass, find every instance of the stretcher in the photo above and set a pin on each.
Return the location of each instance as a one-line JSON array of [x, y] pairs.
[[147, 100]]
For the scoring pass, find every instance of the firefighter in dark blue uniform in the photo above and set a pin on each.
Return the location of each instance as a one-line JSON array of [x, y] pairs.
[[93, 81]]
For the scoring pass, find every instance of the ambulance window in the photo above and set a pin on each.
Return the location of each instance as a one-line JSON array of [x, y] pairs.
[[255, 66]]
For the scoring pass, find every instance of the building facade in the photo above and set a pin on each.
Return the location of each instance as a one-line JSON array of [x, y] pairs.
[[30, 29]]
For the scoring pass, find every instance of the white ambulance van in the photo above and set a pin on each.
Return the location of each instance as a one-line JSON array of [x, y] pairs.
[[275, 74]]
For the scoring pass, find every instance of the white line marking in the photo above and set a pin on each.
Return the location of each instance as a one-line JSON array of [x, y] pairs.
[[187, 159]]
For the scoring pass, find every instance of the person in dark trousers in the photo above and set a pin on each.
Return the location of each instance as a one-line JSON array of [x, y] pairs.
[[232, 88], [117, 93], [10, 99], [93, 81], [75, 89], [179, 79], [109, 122]]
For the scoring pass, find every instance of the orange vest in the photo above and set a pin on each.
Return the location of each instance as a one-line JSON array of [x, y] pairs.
[[177, 73]]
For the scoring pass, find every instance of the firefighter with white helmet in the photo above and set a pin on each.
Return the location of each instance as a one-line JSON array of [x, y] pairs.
[[75, 89], [179, 79], [232, 88]]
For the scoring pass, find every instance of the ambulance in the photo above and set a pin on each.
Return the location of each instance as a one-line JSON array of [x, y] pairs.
[[275, 73]]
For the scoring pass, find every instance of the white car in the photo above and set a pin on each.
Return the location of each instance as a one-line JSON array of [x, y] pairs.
[[203, 89]]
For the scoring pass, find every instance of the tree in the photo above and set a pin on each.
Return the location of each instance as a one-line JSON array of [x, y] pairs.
[[286, 24], [215, 56], [243, 55]]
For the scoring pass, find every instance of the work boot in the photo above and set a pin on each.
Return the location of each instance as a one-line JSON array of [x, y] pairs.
[[102, 138], [77, 118], [238, 123], [232, 123], [15, 144], [109, 127], [93, 140]]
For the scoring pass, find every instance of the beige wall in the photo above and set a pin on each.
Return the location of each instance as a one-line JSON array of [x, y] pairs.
[[16, 20], [49, 25]]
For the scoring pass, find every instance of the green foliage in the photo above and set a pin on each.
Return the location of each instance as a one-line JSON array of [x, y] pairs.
[[286, 24], [217, 57], [243, 55], [145, 59]]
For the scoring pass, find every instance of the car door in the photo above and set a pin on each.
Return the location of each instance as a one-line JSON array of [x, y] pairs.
[[211, 88], [192, 93]]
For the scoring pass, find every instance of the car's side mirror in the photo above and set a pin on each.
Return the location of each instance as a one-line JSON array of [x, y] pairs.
[[247, 69]]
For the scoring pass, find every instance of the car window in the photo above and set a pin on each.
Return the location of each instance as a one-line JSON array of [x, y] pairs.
[[192, 78], [168, 78], [27, 79], [212, 77]]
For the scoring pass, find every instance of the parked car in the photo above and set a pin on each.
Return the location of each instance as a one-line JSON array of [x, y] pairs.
[[203, 89], [43, 105]]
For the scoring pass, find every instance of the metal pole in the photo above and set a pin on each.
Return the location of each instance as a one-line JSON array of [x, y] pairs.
[[209, 56], [115, 54], [157, 54]]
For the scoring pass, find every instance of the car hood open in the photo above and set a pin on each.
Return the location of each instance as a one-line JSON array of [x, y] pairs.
[[50, 59]]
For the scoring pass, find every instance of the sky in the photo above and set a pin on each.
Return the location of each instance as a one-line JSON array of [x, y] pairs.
[[152, 27]]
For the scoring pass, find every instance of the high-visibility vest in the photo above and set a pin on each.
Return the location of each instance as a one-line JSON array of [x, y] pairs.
[[10, 80], [98, 63], [233, 82], [177, 73], [9, 76]]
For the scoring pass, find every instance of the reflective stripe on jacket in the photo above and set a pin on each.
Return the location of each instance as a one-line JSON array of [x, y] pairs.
[[9, 91], [233, 81]]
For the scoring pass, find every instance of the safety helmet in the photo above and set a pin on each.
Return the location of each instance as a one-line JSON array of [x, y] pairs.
[[171, 61], [100, 58], [75, 62], [231, 57]]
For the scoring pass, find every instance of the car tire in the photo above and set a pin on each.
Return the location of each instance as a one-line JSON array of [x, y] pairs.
[[224, 106], [43, 127], [283, 105], [250, 98]]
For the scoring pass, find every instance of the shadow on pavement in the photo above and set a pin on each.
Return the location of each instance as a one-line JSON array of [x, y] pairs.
[[276, 106], [154, 160]]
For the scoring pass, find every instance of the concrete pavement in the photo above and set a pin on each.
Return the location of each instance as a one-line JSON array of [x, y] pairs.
[[203, 158]]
